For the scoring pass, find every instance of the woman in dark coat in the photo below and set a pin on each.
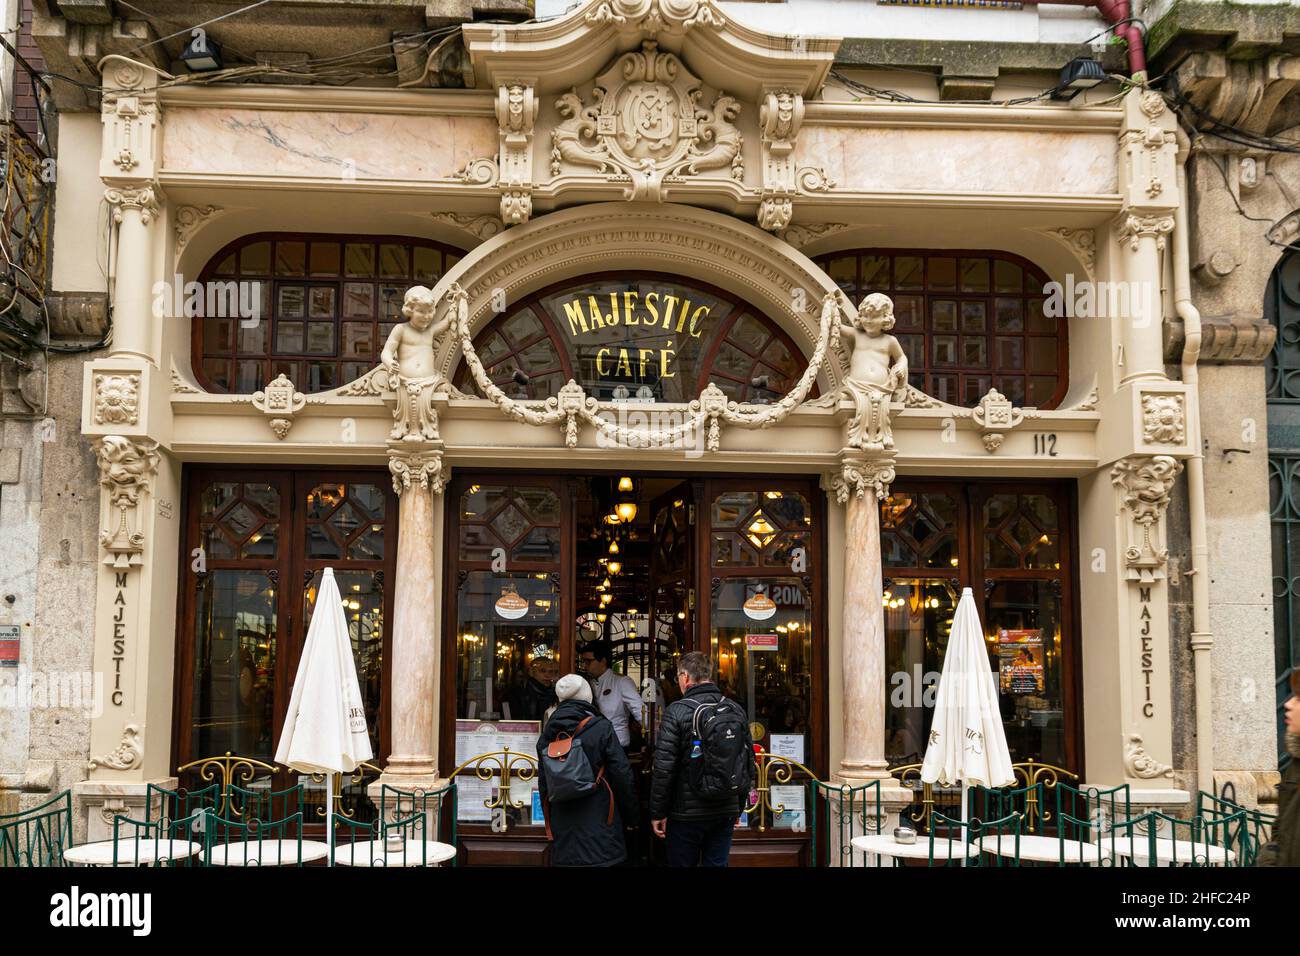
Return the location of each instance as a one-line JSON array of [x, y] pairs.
[[1284, 848], [581, 830]]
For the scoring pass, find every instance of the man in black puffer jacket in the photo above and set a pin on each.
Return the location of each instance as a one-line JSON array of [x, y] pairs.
[[588, 831], [698, 829]]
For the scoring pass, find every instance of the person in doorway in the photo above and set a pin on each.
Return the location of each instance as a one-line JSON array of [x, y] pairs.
[[1284, 848], [587, 830], [536, 695], [703, 769], [615, 694]]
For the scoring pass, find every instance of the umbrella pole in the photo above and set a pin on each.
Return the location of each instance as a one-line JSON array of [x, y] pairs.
[[329, 815], [965, 820]]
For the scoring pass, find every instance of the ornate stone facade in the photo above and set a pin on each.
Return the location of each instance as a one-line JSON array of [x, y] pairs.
[[1145, 484], [126, 468]]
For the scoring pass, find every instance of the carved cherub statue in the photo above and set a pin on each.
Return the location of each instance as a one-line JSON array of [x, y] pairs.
[[408, 356], [877, 368]]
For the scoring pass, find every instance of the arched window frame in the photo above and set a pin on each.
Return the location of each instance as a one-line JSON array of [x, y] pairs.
[[737, 309], [272, 360], [922, 375]]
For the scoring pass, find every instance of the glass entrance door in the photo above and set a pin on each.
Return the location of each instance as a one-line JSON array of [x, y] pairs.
[[672, 597], [625, 573]]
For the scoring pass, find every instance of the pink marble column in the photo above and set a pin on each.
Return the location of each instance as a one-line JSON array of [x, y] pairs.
[[417, 479], [859, 487]]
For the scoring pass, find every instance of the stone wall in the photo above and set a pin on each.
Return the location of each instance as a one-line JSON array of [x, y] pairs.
[[48, 558]]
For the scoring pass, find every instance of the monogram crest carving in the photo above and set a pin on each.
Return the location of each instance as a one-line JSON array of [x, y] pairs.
[[645, 125]]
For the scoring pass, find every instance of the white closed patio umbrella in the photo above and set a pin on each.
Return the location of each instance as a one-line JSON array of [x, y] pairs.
[[325, 729], [967, 740]]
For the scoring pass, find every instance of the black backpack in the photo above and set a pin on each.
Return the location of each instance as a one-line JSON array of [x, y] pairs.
[[721, 756], [568, 771]]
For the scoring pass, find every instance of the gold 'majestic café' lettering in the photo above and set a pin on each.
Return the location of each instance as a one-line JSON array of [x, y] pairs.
[[654, 312]]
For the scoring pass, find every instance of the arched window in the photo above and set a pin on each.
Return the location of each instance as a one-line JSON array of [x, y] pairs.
[[1282, 308], [968, 321], [642, 335], [316, 308]]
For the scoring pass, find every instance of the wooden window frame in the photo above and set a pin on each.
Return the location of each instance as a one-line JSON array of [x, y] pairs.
[[291, 567], [927, 370], [737, 308], [448, 255], [970, 495]]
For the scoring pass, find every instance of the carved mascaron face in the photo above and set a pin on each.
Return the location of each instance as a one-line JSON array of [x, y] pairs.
[[122, 465]]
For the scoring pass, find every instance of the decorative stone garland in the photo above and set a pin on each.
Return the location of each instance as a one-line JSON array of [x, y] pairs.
[[573, 406]]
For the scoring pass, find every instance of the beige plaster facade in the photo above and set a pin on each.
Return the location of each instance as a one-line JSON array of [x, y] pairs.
[[787, 171]]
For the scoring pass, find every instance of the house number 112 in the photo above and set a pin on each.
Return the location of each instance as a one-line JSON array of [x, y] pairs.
[[1045, 444]]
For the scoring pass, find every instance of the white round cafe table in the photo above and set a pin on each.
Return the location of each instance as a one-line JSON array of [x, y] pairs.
[[130, 852], [1172, 852], [885, 845], [381, 853], [1043, 849], [267, 853]]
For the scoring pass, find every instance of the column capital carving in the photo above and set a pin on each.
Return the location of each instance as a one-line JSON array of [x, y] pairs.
[[1145, 483], [142, 197], [857, 474], [126, 469], [1132, 227], [417, 465]]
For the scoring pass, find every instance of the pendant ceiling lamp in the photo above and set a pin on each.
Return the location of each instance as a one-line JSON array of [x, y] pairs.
[[625, 500]]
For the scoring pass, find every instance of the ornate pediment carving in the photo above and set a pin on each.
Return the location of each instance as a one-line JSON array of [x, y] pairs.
[[643, 123], [724, 54], [655, 16]]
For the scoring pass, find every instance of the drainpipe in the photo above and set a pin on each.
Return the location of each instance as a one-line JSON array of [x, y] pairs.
[[1117, 11], [1202, 640]]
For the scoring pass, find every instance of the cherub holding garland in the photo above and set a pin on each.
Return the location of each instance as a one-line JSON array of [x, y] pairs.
[[877, 368], [408, 357]]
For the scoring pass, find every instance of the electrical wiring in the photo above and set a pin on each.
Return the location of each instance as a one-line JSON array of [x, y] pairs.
[[1221, 129], [897, 96], [197, 26]]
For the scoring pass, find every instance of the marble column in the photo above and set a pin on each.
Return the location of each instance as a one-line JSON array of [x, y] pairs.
[[1143, 240], [134, 208], [418, 478], [860, 484]]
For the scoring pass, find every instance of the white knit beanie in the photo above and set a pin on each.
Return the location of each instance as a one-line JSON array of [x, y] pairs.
[[573, 687]]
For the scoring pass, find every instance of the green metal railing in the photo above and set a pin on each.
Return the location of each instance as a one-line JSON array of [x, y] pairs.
[[37, 837]]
